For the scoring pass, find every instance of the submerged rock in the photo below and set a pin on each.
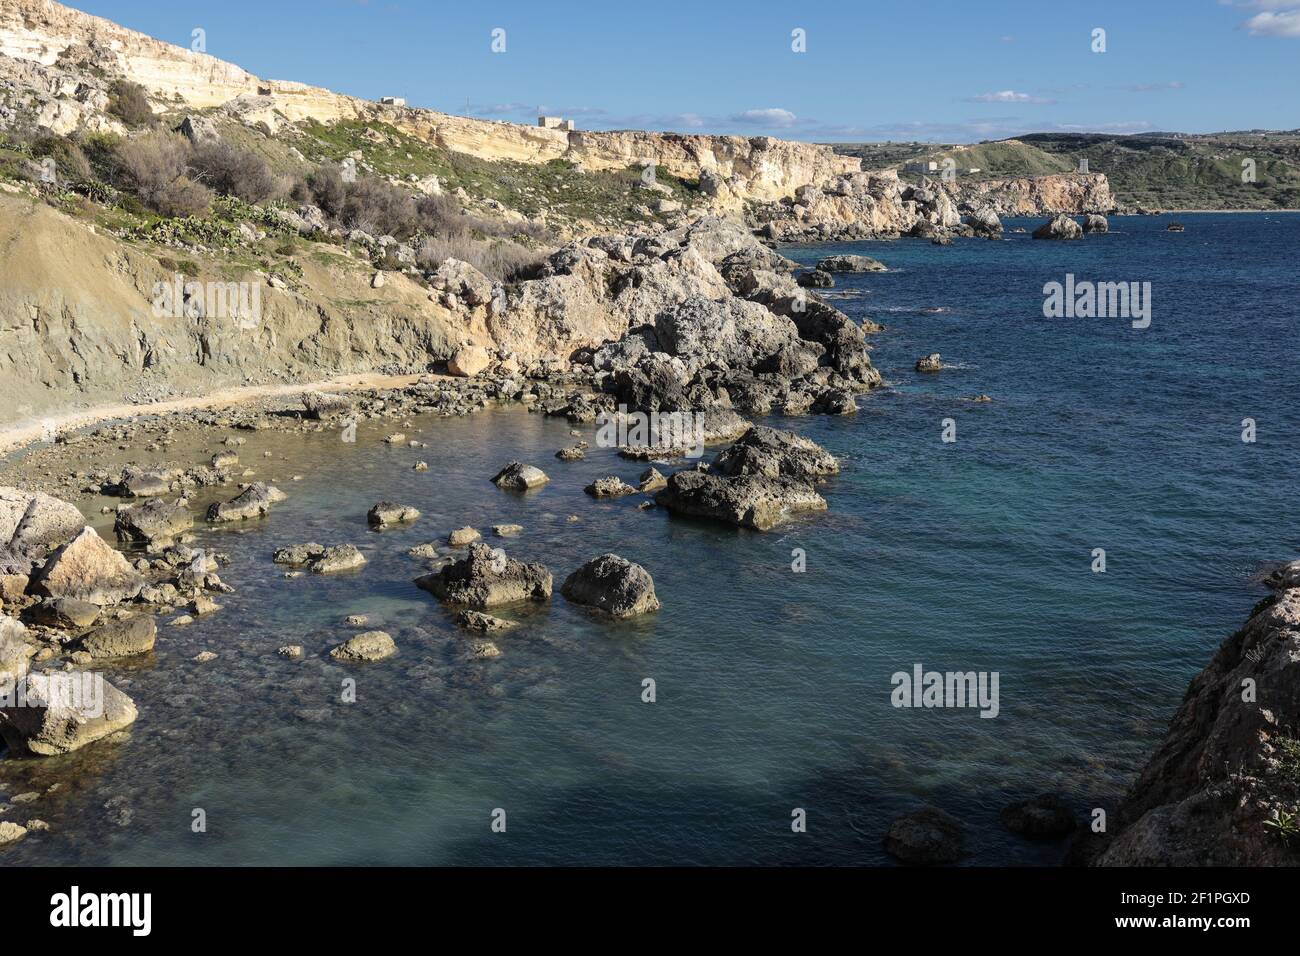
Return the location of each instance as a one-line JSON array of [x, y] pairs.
[[369, 646], [517, 476], [929, 363], [613, 585], [1044, 817], [254, 502], [478, 621], [486, 577], [88, 569], [926, 836], [62, 712]]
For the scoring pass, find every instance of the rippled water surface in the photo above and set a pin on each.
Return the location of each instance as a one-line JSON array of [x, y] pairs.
[[773, 688]]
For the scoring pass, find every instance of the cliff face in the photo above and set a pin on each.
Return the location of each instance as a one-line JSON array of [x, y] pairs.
[[1228, 772], [1043, 195]]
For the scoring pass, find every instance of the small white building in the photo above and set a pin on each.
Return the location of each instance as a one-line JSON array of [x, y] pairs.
[[554, 122], [929, 166], [392, 101]]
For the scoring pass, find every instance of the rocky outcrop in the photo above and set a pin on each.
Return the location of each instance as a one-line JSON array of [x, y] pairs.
[[750, 502], [612, 585], [1062, 227], [771, 453], [485, 578], [1095, 223], [1223, 787], [57, 713]]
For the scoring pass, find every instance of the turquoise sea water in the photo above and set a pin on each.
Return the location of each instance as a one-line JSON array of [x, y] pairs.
[[773, 688]]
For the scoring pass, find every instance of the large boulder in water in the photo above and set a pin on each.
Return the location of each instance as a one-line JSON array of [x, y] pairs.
[[1062, 227], [850, 264], [154, 521], [985, 222], [486, 577], [772, 453], [370, 646], [517, 476], [750, 501], [614, 585], [1094, 222], [59, 712], [254, 502], [120, 638], [88, 569]]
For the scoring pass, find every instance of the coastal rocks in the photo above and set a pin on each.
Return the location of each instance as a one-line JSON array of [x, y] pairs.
[[612, 585], [485, 578], [460, 537], [507, 530], [386, 513], [926, 836], [572, 453], [298, 554], [985, 222], [342, 557], [366, 647], [1044, 817], [772, 453], [651, 481], [850, 264], [929, 363], [609, 487], [478, 621], [291, 652], [32, 522], [517, 476], [469, 361], [816, 279], [53, 719], [15, 652], [1062, 227], [139, 483], [323, 406], [1219, 786], [835, 401], [254, 502], [64, 612], [88, 569], [1095, 223], [460, 279], [734, 334], [11, 832], [750, 502], [154, 522], [120, 638]]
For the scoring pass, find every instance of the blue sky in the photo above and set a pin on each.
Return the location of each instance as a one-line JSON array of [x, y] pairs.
[[937, 70]]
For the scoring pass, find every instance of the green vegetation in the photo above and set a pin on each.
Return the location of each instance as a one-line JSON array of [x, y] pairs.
[[1154, 170]]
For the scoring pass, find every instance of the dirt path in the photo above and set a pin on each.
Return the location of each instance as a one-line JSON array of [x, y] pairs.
[[16, 436]]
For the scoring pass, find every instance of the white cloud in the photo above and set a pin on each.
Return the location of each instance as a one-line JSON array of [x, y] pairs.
[[1007, 96], [772, 117], [1285, 23]]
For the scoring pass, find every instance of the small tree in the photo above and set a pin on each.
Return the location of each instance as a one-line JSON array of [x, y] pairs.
[[130, 103]]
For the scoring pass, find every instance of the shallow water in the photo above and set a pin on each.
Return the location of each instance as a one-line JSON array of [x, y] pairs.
[[773, 688]]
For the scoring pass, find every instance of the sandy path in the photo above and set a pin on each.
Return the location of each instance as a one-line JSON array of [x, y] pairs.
[[17, 436]]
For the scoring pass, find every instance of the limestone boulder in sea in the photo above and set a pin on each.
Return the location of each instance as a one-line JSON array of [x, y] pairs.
[[485, 578], [154, 522], [366, 647], [517, 476], [1060, 227], [387, 513], [253, 502], [59, 712], [612, 585], [850, 263], [750, 501], [123, 638]]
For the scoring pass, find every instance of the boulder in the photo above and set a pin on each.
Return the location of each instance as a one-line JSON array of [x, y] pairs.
[[459, 537], [926, 836], [15, 652], [324, 406], [139, 483], [59, 712], [507, 530], [610, 487], [343, 557], [772, 453], [120, 638], [11, 832], [816, 279], [613, 585], [88, 569], [298, 554], [929, 363], [368, 646], [468, 361], [517, 476], [386, 513], [1062, 227], [1044, 817], [1095, 223], [153, 522], [486, 577], [459, 278], [32, 522], [751, 501], [985, 222], [651, 480], [254, 502], [64, 612], [850, 264]]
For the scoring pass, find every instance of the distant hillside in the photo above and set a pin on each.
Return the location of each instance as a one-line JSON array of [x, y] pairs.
[[1151, 170]]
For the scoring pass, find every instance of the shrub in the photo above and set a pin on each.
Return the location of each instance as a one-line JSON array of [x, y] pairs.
[[233, 171], [500, 259], [184, 197], [156, 168], [379, 208], [130, 103], [68, 158]]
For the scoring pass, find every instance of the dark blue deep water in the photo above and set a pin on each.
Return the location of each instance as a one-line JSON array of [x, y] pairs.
[[773, 688]]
